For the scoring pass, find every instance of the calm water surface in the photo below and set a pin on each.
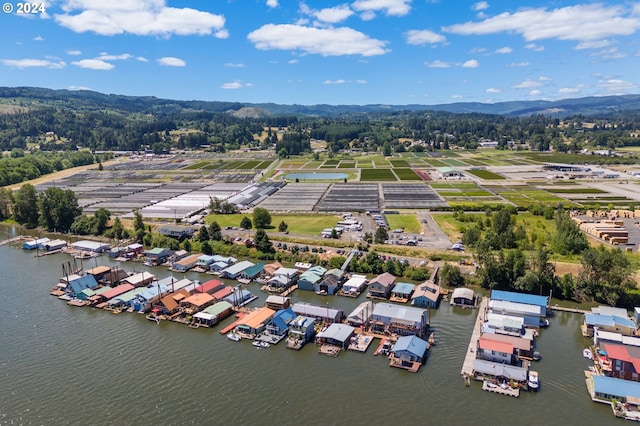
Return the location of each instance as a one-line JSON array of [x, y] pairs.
[[82, 366]]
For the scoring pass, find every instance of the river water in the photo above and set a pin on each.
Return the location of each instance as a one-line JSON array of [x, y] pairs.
[[83, 366]]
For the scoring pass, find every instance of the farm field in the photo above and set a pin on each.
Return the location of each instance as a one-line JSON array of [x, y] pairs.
[[485, 174], [408, 222], [406, 174], [377, 175]]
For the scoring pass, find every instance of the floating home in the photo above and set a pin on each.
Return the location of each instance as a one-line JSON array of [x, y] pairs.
[[112, 292], [196, 302], [278, 327], [52, 245], [380, 287], [309, 278], [158, 255], [523, 348], [408, 353], [301, 330], [170, 304], [488, 370], [533, 315], [361, 314], [184, 265], [213, 314], [527, 299], [354, 286], [140, 279], [400, 320], [336, 335], [277, 302], [426, 295], [464, 297], [613, 323], [496, 351], [402, 292], [209, 287], [324, 314], [232, 272], [254, 323], [619, 361]]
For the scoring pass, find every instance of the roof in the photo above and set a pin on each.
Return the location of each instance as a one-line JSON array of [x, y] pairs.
[[337, 331], [403, 288], [257, 318], [171, 301], [289, 272], [312, 275], [462, 292], [510, 296], [399, 312], [99, 270], [600, 335], [271, 267], [630, 354], [610, 311], [157, 250], [222, 293], [189, 260], [361, 313], [494, 345], [517, 308], [238, 267], [211, 285], [356, 281], [427, 289], [384, 280], [411, 344], [497, 369], [517, 342], [505, 321], [609, 321], [276, 299], [218, 308], [90, 245], [307, 309], [117, 291], [79, 284], [198, 299], [139, 278], [615, 387], [254, 270]]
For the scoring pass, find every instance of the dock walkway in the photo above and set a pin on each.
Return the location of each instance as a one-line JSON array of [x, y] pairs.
[[509, 391], [467, 366], [12, 240]]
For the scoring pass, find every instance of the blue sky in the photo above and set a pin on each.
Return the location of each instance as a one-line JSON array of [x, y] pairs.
[[333, 52]]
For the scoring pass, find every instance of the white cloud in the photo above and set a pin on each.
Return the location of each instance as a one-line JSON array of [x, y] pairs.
[[419, 37], [519, 64], [610, 53], [38, 38], [151, 17], [534, 47], [32, 63], [333, 15], [493, 90], [478, 50], [367, 15], [235, 85], [231, 65], [79, 88], [570, 90], [527, 84], [535, 93], [457, 97], [361, 81], [321, 41], [388, 7], [579, 22], [222, 34], [481, 5], [272, 3], [73, 52], [340, 81], [107, 57], [170, 61], [504, 50], [614, 85], [544, 78], [471, 63], [438, 64], [94, 64], [293, 61], [594, 44], [141, 59]]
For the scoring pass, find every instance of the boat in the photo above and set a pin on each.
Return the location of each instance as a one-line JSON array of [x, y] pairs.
[[536, 356], [587, 353], [233, 336], [322, 293], [153, 317], [532, 380], [261, 344]]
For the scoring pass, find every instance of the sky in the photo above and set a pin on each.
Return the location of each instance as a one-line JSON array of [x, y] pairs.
[[325, 52]]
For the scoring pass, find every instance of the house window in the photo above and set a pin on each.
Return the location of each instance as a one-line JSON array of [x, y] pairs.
[[618, 365]]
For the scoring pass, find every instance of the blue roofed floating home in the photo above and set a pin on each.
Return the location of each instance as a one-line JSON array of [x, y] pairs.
[[402, 292], [75, 286], [278, 328], [400, 320], [301, 330], [604, 389], [34, 244], [408, 353], [612, 323]]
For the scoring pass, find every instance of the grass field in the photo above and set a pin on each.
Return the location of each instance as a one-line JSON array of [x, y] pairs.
[[376, 174], [250, 165], [406, 174], [298, 224], [575, 191], [435, 163], [409, 222], [347, 165], [485, 174], [399, 163]]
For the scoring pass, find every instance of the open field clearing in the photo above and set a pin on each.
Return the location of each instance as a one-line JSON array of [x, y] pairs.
[[485, 174], [377, 175], [408, 222]]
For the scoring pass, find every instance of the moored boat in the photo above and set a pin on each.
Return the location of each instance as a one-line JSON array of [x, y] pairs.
[[260, 344], [533, 382], [233, 336], [587, 353]]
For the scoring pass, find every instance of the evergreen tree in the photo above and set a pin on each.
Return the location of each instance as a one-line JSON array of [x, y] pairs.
[[215, 233], [261, 217], [263, 244], [246, 223], [25, 207]]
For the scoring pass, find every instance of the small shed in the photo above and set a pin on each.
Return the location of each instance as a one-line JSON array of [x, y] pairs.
[[464, 297]]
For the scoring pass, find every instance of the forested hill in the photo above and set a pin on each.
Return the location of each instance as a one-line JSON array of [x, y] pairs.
[[86, 99]]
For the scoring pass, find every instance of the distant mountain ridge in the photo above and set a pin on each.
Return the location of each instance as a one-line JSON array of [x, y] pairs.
[[86, 99]]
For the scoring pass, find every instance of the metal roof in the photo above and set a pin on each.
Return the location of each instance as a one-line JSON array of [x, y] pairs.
[[338, 332], [403, 288], [616, 387], [398, 312], [510, 296], [516, 308], [502, 370], [411, 344]]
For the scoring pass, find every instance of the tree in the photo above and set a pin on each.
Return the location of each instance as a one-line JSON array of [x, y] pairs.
[[203, 234], [605, 275], [117, 229], [451, 276], [246, 223], [283, 153], [25, 206], [215, 233], [569, 239], [6, 203], [261, 217], [263, 244], [205, 247], [381, 235], [138, 224], [283, 227], [58, 208], [101, 216]]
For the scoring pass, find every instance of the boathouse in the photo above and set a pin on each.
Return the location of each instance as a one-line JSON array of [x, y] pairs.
[[209, 287], [604, 389], [251, 272], [388, 318], [232, 272], [309, 278], [402, 292], [336, 334], [464, 297], [361, 314], [34, 244], [196, 302], [222, 293], [170, 303], [53, 245], [90, 246], [331, 282], [301, 330], [620, 361], [615, 324], [324, 314], [426, 295], [528, 299], [213, 314], [354, 285], [380, 287], [254, 323], [409, 350], [184, 283], [140, 279], [492, 350], [98, 272], [158, 255]]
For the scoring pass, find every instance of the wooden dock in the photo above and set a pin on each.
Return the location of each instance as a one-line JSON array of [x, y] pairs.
[[492, 387], [12, 240], [470, 356]]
